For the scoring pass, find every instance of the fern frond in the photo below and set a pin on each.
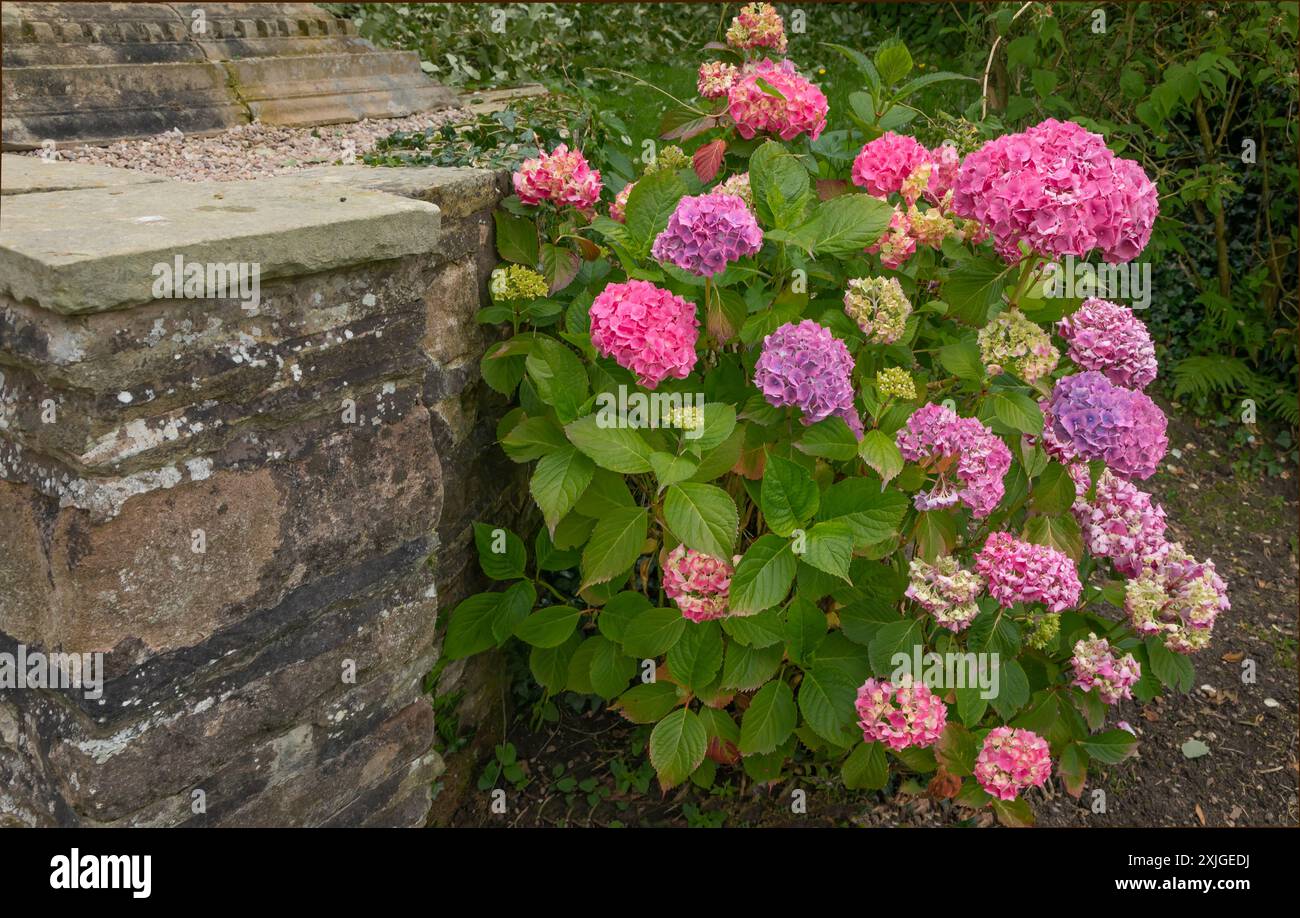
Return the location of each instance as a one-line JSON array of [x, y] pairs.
[[1203, 375], [1285, 405]]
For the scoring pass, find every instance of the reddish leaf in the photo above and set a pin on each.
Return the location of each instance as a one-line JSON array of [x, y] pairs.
[[944, 786], [679, 124], [724, 752], [752, 461], [832, 188], [560, 266], [708, 159], [955, 751]]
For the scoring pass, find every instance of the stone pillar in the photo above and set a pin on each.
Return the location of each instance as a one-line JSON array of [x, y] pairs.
[[240, 508]]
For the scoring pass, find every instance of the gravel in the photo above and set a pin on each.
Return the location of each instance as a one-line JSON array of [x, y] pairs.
[[253, 150]]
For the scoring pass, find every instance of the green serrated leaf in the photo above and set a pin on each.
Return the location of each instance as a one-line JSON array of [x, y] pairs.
[[677, 747], [763, 577], [788, 496], [769, 719], [558, 481], [615, 543], [703, 516]]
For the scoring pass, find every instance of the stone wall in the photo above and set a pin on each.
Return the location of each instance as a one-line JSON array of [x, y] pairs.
[[254, 514], [78, 73]]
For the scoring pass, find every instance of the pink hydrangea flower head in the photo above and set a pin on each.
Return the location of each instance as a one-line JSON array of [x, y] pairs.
[[1019, 571], [1107, 337], [968, 459], [561, 177], [1089, 417], [879, 307], [898, 244], [716, 79], [1178, 597], [618, 210], [804, 366], [698, 583], [802, 110], [707, 232], [945, 590], [646, 329], [944, 163], [1096, 666], [757, 25], [1012, 760], [900, 716], [1060, 191], [883, 165], [1012, 343], [1121, 523]]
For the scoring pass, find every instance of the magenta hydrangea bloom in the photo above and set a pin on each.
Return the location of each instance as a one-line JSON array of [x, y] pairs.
[[1089, 417], [707, 232], [1096, 666], [1019, 571], [698, 583], [1178, 597], [1122, 523], [884, 164], [1012, 760], [802, 110], [804, 366], [561, 177], [951, 446], [1107, 337], [1058, 189], [903, 715], [646, 329]]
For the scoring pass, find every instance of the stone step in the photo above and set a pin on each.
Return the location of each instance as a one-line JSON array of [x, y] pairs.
[[332, 88], [96, 73], [100, 103]]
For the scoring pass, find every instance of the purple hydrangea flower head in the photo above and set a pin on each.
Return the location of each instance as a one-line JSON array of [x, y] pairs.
[[1089, 417], [1107, 337], [707, 232], [804, 366]]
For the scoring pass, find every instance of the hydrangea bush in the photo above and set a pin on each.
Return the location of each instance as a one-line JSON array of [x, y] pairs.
[[805, 427]]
